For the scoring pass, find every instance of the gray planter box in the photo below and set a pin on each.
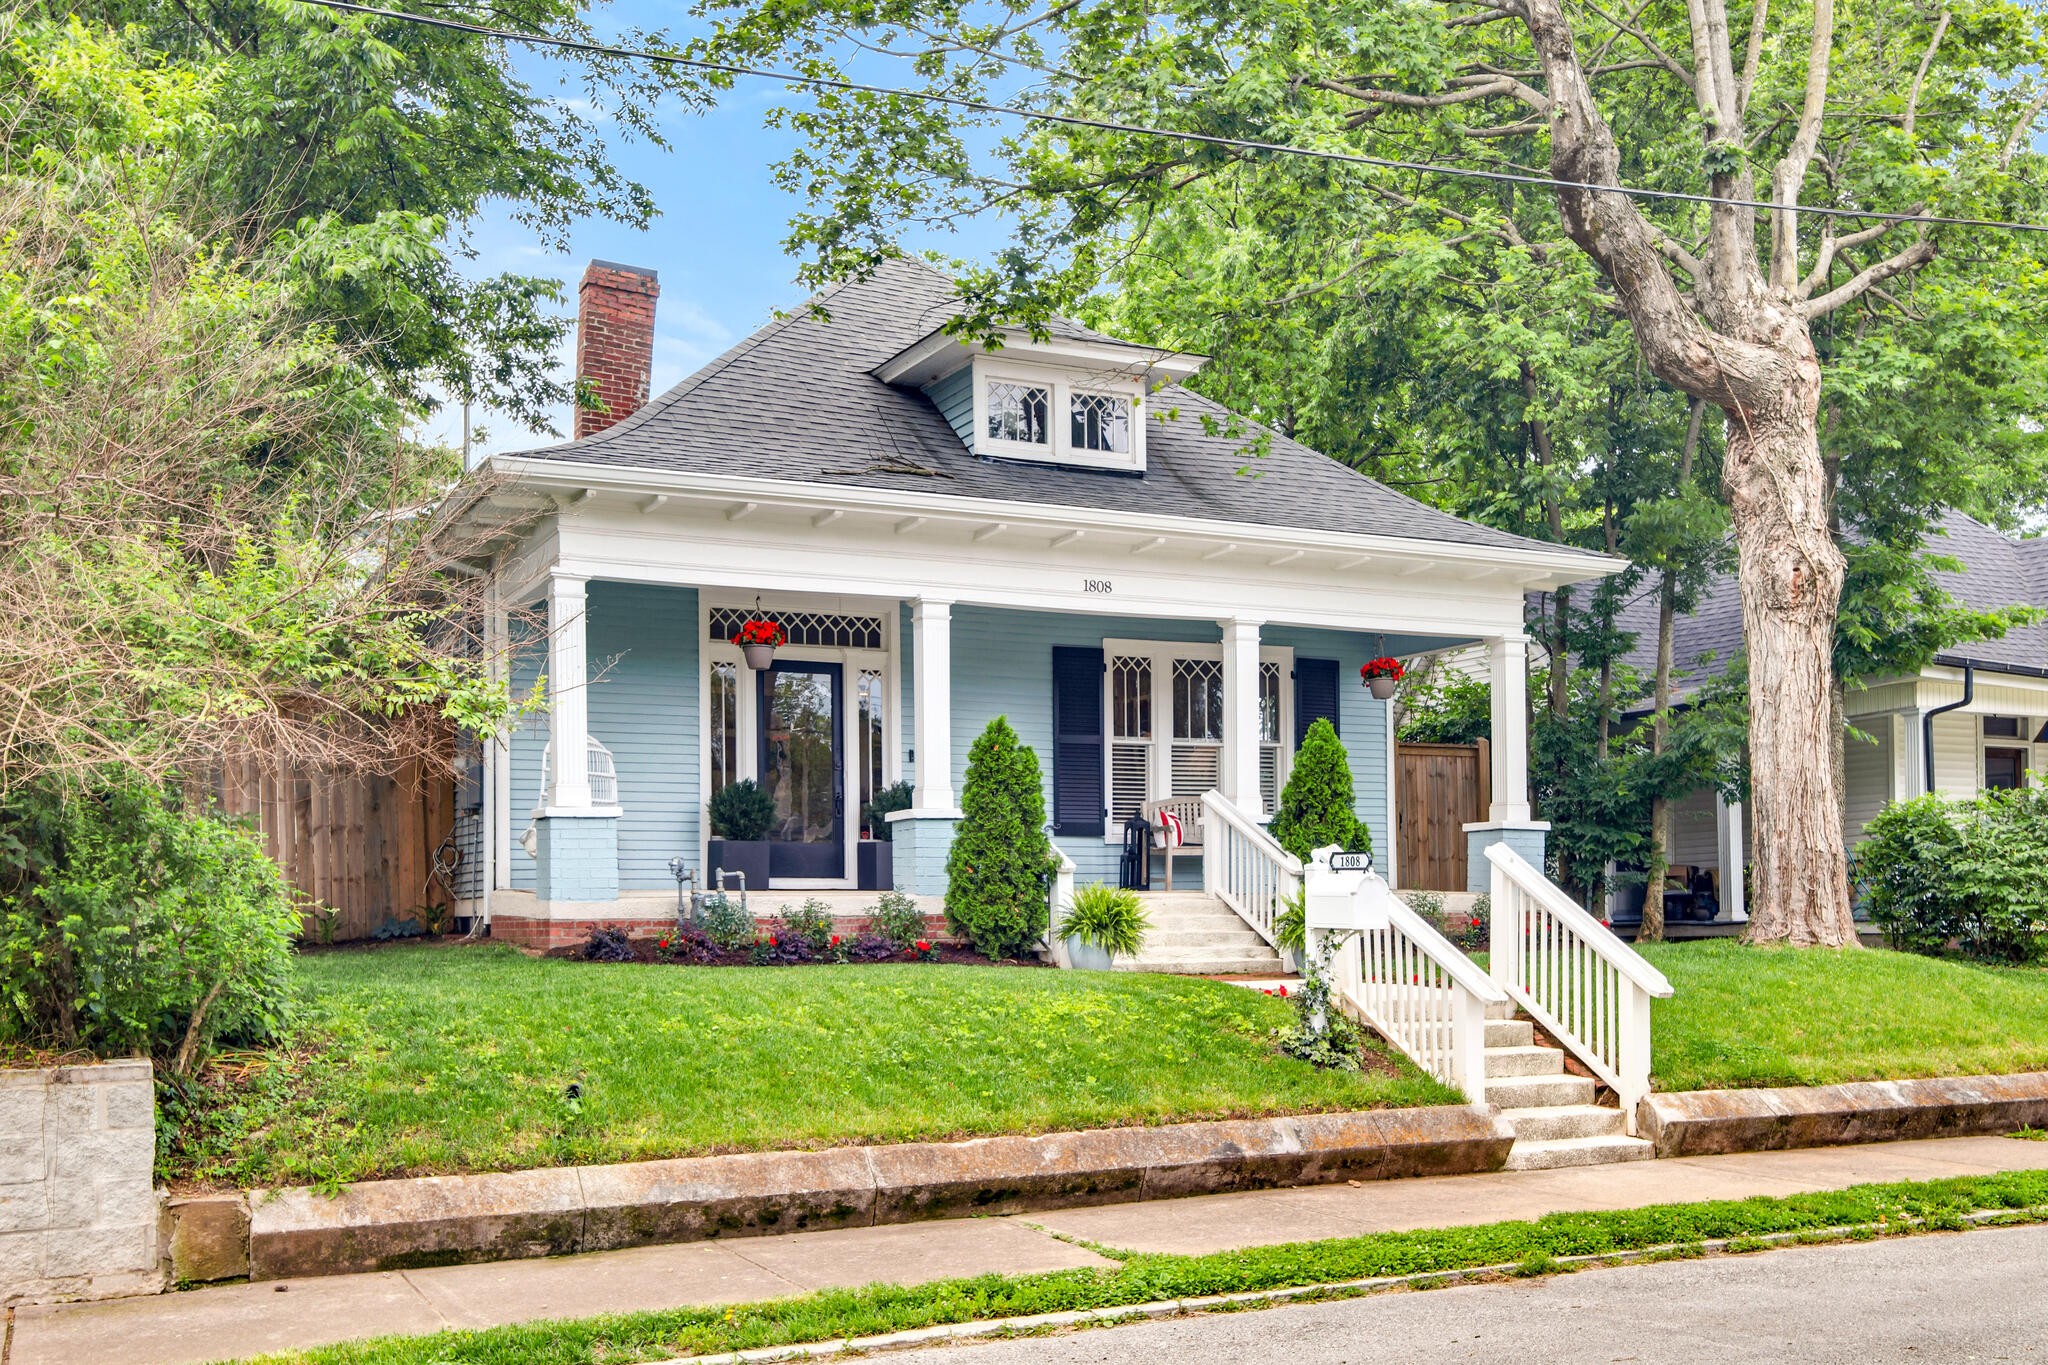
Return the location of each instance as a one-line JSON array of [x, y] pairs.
[[875, 865], [734, 855]]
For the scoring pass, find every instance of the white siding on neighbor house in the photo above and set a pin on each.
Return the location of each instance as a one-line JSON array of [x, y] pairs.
[[1955, 754], [1868, 769]]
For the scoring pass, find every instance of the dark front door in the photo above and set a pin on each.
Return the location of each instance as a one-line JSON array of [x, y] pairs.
[[801, 769]]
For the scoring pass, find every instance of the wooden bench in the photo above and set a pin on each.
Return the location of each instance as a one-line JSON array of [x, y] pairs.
[[1189, 810]]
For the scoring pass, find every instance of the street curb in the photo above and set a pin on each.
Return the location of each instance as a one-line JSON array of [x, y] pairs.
[[1713, 1122], [453, 1220], [994, 1328]]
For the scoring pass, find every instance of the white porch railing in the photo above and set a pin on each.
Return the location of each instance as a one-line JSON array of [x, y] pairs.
[[1588, 989], [1244, 867], [1423, 995]]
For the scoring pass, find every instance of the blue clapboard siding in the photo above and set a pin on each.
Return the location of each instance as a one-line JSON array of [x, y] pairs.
[[644, 655], [953, 396], [529, 738]]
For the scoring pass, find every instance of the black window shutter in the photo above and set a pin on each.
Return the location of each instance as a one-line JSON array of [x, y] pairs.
[[1077, 741], [1315, 695]]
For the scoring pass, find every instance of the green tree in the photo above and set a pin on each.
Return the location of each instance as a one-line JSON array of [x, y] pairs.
[[997, 872], [1766, 315], [1317, 806]]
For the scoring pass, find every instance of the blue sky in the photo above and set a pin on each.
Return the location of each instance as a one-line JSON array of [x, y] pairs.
[[717, 244]]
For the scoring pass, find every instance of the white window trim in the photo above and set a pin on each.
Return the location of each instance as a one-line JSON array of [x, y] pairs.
[[1059, 447], [1159, 759], [747, 708]]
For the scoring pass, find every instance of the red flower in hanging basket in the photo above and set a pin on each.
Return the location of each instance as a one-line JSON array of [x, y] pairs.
[[758, 630], [1386, 666]]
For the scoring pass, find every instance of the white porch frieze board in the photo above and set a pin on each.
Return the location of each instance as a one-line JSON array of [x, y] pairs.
[[1531, 566]]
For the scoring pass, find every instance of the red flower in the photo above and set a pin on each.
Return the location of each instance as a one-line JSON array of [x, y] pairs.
[[835, 940], [1475, 924], [664, 943], [1283, 992], [923, 946], [759, 631], [1385, 666], [771, 940]]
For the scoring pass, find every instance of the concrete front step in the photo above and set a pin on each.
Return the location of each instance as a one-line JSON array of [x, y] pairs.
[[1538, 1092], [1240, 937], [1523, 1061], [1222, 966], [1558, 1122], [1510, 1033], [1580, 1151], [1191, 919]]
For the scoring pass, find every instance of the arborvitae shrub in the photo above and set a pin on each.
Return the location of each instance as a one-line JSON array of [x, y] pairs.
[[997, 873], [1316, 805]]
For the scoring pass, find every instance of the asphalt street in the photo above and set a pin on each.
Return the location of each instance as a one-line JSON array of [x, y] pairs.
[[1976, 1296]]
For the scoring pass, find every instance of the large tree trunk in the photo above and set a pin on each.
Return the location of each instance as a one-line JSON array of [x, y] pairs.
[[1791, 579]]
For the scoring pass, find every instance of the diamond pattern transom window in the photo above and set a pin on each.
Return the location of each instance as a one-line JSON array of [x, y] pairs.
[[1197, 699], [1019, 412], [1101, 421], [822, 629]]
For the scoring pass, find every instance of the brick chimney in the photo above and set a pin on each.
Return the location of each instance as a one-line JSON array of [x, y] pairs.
[[614, 340]]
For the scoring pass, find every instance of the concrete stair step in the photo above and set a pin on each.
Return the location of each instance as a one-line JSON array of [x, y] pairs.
[[1230, 948], [1558, 1122], [1240, 937], [1584, 1151], [1523, 1061], [1182, 902], [1219, 966], [1504, 1010], [1510, 1033], [1539, 1092], [1197, 919]]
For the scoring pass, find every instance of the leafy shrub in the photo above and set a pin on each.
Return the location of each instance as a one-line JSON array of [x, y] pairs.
[[742, 812], [1001, 863], [727, 923], [873, 948], [1290, 926], [1428, 904], [897, 918], [686, 943], [1322, 1035], [1109, 918], [1935, 871], [810, 924], [894, 797], [1317, 804], [127, 924], [392, 927], [608, 945], [781, 950]]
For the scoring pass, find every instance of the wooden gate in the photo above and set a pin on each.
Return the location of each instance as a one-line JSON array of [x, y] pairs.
[[1438, 790], [362, 845]]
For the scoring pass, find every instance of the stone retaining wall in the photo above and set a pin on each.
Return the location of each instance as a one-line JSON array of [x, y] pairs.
[[78, 1206], [1708, 1122]]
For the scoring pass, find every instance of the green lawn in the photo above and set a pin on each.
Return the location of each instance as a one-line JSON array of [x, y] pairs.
[[425, 1060], [1780, 1016]]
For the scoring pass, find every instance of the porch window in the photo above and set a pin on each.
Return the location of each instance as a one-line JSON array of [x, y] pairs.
[[723, 726], [1184, 756], [868, 732], [822, 629]]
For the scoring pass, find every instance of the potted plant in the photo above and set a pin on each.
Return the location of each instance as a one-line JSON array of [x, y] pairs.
[[875, 853], [1382, 676], [758, 638], [740, 817], [1290, 933], [1103, 922]]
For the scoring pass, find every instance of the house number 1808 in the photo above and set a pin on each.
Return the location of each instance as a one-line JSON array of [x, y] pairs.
[[1096, 585]]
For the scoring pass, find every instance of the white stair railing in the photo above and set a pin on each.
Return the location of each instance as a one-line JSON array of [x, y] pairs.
[[1244, 867], [1588, 989], [1422, 994]]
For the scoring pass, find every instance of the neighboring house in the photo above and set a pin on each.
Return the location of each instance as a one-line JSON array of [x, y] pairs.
[[1976, 717], [1052, 531]]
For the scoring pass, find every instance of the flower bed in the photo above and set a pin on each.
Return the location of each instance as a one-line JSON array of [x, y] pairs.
[[693, 948]]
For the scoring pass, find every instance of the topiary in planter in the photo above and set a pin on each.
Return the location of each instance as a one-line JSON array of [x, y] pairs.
[[742, 812], [1001, 863], [1316, 806], [875, 814]]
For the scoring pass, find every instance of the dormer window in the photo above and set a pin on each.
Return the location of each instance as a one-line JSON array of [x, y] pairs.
[[1019, 412], [1101, 422]]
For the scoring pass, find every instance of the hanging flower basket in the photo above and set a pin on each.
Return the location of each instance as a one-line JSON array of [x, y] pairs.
[[758, 639], [1381, 676]]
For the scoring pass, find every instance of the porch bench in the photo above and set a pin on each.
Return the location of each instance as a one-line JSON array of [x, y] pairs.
[[1188, 809]]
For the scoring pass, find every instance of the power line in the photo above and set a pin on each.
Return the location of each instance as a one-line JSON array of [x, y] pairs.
[[1142, 130]]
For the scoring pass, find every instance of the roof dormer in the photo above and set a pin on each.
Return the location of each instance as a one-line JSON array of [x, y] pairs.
[[1070, 400]]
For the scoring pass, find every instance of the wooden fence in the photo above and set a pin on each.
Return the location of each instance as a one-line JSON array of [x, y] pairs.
[[363, 846], [1438, 790]]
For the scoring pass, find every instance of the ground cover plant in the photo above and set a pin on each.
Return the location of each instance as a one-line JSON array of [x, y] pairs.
[[424, 1059], [1769, 1016], [1532, 1247]]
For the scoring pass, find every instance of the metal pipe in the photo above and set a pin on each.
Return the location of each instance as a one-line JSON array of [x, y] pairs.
[[1927, 724]]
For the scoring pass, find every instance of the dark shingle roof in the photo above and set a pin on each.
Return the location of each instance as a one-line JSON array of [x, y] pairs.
[[1995, 572], [796, 401]]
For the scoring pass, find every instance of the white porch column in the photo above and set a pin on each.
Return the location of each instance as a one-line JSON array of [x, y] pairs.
[[931, 622], [1508, 658], [1728, 816], [568, 695], [1240, 776]]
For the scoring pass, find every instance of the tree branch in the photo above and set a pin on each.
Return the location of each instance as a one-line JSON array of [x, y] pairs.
[[1863, 281], [1920, 76], [1670, 63], [1790, 173], [1831, 246], [1752, 58], [2019, 129]]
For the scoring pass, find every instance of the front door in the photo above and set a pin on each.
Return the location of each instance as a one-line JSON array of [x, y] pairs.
[[802, 771]]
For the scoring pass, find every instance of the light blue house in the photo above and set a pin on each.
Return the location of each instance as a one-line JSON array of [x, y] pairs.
[[1052, 530]]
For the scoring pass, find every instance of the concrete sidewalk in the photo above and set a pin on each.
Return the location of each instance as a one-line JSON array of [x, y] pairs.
[[240, 1320]]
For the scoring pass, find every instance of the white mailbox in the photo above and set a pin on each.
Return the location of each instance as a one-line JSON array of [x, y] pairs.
[[1342, 893]]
